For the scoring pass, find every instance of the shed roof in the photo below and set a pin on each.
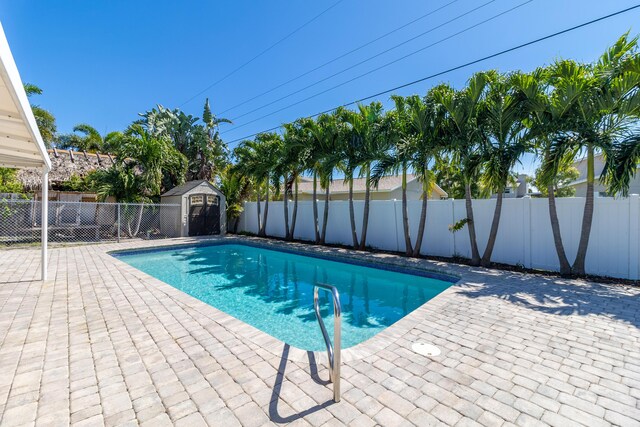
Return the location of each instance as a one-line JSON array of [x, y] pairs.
[[188, 186], [21, 144]]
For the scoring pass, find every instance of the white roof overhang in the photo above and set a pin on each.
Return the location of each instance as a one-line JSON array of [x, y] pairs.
[[21, 145]]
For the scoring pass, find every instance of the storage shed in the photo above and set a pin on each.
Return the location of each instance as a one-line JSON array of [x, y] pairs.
[[202, 212]]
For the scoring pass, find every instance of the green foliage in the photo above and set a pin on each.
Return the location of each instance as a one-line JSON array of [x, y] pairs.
[[44, 119], [9, 181], [236, 189], [459, 225], [201, 144], [76, 183], [565, 175]]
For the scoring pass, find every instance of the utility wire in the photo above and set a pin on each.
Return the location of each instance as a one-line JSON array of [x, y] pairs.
[[484, 21], [458, 67], [339, 57], [235, 70], [370, 59]]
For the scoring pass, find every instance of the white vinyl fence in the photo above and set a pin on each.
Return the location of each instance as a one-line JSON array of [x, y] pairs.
[[524, 236]]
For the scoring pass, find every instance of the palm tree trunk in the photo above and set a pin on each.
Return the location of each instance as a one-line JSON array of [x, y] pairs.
[[475, 254], [493, 233], [423, 218], [587, 218], [405, 215], [315, 207], [565, 268], [266, 210], [285, 204], [325, 216], [352, 216], [365, 215], [259, 213], [294, 216]]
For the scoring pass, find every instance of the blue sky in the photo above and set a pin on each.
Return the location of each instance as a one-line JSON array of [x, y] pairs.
[[103, 62]]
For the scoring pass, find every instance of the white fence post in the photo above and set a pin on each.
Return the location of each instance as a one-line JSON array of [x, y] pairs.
[[634, 236], [526, 229], [119, 224], [453, 222]]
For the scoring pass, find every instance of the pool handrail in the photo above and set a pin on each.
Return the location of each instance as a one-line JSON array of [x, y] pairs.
[[333, 351]]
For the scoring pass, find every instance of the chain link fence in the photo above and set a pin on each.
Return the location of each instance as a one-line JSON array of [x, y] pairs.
[[21, 221]]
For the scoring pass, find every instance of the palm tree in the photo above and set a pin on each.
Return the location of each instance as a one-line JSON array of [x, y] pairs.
[[257, 159], [322, 159], [44, 119], [289, 166], [90, 140], [461, 131], [367, 141], [546, 120], [506, 140], [599, 116], [415, 140], [236, 188], [210, 152], [200, 143]]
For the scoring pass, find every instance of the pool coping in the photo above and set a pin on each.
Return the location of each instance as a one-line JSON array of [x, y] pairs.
[[251, 334]]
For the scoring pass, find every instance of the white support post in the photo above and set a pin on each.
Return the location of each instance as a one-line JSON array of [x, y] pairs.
[[44, 221], [634, 237]]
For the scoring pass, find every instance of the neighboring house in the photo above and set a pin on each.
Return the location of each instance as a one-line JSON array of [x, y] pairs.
[[389, 188], [517, 189], [65, 164], [599, 189]]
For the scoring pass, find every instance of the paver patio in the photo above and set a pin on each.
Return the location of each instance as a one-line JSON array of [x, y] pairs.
[[103, 343]]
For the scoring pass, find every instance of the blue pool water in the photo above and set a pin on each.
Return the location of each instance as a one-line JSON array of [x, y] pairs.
[[273, 290]]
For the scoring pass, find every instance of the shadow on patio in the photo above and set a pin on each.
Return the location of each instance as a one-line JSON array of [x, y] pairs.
[[274, 413], [563, 297]]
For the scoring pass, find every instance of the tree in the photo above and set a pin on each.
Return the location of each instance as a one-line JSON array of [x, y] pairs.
[[200, 143], [465, 139], [236, 188], [145, 167], [44, 119], [366, 142], [211, 150], [9, 181], [500, 118], [601, 113], [90, 140], [257, 159], [292, 161], [565, 175], [323, 158], [415, 125]]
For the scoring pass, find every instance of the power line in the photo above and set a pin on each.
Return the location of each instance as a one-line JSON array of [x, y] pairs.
[[235, 70], [377, 68], [339, 57], [366, 60], [458, 67]]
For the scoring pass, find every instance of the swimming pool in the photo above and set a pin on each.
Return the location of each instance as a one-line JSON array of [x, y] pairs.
[[273, 290]]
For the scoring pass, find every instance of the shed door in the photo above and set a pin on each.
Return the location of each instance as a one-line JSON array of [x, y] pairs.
[[204, 215]]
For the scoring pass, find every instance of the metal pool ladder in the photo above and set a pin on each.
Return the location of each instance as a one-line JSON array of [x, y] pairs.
[[333, 351]]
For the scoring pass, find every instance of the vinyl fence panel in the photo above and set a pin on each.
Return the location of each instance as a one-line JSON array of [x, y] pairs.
[[524, 235]]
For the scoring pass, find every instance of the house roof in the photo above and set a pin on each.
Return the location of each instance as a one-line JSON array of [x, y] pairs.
[[21, 144], [386, 184], [186, 187], [64, 164]]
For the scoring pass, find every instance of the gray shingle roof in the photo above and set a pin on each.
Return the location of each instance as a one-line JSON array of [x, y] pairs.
[[185, 188]]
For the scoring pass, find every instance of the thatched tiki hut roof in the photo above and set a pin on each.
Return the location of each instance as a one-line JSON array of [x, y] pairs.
[[65, 163]]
